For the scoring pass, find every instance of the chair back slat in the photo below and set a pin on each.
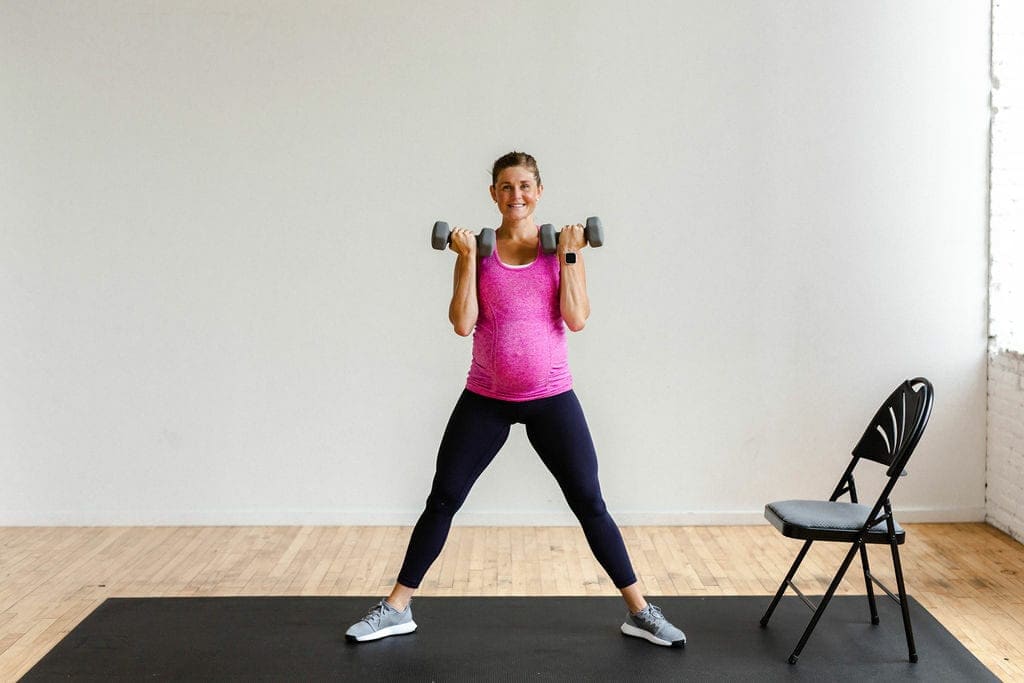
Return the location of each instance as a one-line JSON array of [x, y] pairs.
[[894, 431]]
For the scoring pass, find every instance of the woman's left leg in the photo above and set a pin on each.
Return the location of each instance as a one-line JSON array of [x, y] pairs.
[[558, 431]]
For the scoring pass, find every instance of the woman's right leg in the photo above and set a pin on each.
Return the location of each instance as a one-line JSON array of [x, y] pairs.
[[475, 433]]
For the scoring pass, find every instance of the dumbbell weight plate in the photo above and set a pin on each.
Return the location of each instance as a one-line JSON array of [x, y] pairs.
[[485, 242], [548, 238], [439, 236], [594, 232]]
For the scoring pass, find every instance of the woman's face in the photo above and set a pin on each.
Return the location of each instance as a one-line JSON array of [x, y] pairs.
[[516, 193]]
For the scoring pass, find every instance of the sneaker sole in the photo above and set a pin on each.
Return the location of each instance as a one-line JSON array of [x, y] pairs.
[[396, 630], [631, 630]]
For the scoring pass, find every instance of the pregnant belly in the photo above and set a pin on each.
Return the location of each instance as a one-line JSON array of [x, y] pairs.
[[522, 359]]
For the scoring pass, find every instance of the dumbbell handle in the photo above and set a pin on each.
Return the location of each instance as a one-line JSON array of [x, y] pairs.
[[593, 233], [441, 237]]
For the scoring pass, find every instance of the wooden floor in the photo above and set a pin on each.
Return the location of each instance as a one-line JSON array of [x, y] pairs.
[[969, 576]]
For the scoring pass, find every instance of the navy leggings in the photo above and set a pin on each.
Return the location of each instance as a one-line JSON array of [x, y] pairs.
[[476, 432]]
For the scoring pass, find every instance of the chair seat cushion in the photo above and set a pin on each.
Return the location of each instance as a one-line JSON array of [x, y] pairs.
[[826, 521]]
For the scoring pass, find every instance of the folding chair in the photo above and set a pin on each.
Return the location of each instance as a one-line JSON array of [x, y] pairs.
[[889, 440]]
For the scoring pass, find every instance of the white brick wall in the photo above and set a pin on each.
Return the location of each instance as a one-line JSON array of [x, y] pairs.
[[1006, 199], [1004, 500], [1005, 476]]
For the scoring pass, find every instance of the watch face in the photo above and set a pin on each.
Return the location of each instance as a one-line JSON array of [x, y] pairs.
[[570, 257]]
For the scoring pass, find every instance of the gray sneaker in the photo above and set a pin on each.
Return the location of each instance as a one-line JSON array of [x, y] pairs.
[[381, 621], [652, 625]]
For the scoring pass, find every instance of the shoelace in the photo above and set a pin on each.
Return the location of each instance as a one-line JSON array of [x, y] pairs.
[[651, 615], [375, 614]]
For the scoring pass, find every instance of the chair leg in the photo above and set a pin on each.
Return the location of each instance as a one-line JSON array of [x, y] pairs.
[[904, 607], [868, 584], [824, 602], [785, 582]]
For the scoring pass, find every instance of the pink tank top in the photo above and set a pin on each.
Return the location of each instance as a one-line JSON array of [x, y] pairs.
[[520, 352]]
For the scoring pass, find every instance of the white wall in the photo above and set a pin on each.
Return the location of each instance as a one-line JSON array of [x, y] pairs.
[[218, 303]]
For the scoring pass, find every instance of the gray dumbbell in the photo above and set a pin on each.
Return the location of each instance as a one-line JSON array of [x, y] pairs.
[[442, 235], [593, 233]]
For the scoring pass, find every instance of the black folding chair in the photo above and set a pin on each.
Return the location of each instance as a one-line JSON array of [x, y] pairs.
[[889, 440]]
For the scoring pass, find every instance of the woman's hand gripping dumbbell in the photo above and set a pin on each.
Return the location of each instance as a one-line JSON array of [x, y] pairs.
[[441, 236], [593, 233]]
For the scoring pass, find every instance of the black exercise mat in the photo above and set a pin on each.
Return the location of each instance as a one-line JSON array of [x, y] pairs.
[[488, 639]]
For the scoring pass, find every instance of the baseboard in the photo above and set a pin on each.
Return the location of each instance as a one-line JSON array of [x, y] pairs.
[[408, 518]]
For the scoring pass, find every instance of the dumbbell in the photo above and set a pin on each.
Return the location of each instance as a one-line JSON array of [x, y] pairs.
[[442, 235], [593, 233]]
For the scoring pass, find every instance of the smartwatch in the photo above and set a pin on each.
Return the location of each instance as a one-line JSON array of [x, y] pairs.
[[570, 257]]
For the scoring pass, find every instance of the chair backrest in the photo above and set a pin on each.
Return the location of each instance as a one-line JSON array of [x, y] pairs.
[[896, 428]]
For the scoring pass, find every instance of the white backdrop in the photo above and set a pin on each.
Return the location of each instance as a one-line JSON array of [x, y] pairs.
[[218, 303]]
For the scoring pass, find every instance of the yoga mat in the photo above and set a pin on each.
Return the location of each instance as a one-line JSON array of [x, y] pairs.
[[497, 638]]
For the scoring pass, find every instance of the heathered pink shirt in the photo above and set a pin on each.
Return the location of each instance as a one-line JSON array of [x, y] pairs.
[[520, 352]]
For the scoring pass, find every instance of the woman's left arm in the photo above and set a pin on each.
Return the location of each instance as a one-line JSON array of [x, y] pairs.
[[572, 296]]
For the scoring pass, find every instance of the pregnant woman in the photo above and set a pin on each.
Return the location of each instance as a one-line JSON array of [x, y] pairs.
[[517, 304]]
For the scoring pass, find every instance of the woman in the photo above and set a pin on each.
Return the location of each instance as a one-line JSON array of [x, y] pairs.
[[517, 303]]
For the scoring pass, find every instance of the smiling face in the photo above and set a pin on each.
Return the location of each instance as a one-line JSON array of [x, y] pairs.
[[516, 192]]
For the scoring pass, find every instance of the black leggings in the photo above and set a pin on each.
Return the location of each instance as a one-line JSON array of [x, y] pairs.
[[476, 432]]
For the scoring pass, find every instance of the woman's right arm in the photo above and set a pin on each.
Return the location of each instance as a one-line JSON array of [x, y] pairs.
[[464, 308]]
